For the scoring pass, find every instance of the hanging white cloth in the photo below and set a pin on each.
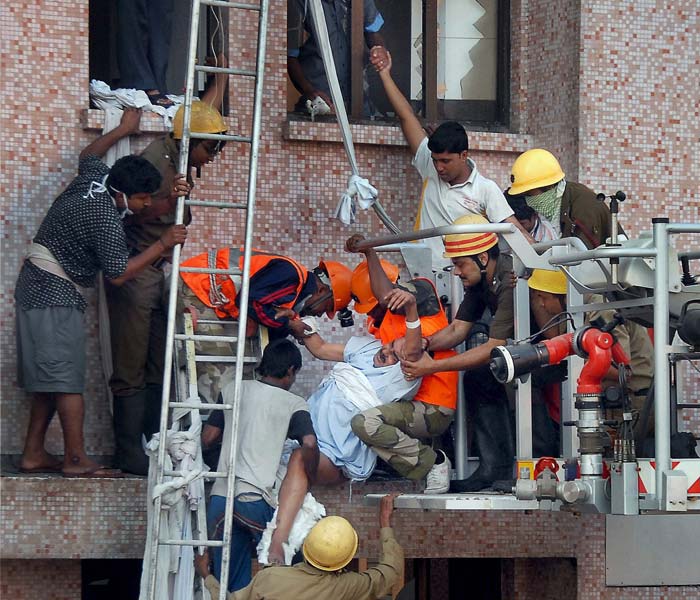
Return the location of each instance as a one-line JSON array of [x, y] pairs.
[[359, 190], [180, 497], [103, 96]]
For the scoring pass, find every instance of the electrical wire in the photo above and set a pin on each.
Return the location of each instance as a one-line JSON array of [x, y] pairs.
[[555, 321]]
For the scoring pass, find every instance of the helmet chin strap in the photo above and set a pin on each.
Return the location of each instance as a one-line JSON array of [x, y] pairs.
[[482, 267]]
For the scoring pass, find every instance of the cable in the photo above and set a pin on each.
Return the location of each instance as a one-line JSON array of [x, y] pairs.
[[555, 321]]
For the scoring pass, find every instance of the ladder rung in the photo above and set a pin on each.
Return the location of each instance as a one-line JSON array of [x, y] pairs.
[[206, 338], [216, 322], [229, 70], [209, 543], [230, 4], [209, 475], [215, 204], [210, 270], [220, 136], [224, 359], [200, 405], [686, 405]]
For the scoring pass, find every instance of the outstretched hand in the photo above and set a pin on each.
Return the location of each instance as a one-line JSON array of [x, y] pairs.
[[298, 328], [386, 509], [201, 564], [380, 58], [412, 369]]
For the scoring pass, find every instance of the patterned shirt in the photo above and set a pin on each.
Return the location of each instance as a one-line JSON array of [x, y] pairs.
[[84, 232]]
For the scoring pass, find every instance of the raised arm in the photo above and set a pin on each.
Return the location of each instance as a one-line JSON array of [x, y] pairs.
[[398, 301], [412, 129], [129, 125], [380, 283]]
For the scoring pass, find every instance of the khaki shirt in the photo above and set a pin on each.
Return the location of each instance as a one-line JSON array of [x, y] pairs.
[[583, 216], [303, 581], [164, 155]]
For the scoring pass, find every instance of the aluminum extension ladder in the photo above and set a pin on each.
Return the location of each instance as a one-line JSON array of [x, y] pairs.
[[187, 388]]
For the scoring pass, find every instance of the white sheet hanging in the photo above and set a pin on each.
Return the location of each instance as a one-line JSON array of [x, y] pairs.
[[103, 96], [359, 190]]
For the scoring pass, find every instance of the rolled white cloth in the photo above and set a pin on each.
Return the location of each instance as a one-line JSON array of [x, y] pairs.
[[360, 192]]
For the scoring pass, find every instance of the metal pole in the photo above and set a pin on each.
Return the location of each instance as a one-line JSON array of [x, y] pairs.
[[662, 408], [421, 234], [461, 437], [172, 296], [523, 393], [245, 287]]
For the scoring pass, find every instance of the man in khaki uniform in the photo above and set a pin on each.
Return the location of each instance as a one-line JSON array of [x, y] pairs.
[[328, 548]]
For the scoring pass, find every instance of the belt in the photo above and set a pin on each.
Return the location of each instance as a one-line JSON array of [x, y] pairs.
[[642, 392]]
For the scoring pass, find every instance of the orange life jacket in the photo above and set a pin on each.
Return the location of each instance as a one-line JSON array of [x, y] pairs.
[[438, 388], [218, 291]]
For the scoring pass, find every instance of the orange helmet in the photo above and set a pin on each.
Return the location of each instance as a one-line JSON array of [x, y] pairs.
[[469, 244], [340, 277], [362, 289]]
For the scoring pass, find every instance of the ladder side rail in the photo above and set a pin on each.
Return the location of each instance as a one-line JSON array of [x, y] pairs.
[[172, 296], [243, 306]]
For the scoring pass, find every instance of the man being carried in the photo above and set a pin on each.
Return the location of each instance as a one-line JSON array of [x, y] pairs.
[[329, 547], [394, 430], [81, 234], [367, 374], [269, 414], [452, 186]]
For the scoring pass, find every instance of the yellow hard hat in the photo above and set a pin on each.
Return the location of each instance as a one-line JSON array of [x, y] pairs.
[[331, 544], [204, 119], [534, 169], [469, 244], [340, 277], [553, 282], [361, 286]]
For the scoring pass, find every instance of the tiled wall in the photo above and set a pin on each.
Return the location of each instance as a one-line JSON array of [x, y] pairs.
[[27, 579], [641, 137], [47, 521]]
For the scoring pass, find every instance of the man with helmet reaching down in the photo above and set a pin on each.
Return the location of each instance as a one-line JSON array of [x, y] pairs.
[[570, 207], [486, 277], [328, 549], [138, 310]]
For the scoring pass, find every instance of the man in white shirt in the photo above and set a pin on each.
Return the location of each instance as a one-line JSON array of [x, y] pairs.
[[452, 185]]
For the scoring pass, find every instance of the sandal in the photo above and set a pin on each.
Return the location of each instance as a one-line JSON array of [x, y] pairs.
[[159, 99]]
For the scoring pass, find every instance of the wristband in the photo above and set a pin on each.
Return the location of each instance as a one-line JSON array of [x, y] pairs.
[[413, 324]]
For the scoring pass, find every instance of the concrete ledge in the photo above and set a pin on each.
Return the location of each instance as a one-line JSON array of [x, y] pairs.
[[383, 134], [93, 119]]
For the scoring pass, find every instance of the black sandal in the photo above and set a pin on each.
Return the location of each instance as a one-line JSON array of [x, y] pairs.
[[159, 99]]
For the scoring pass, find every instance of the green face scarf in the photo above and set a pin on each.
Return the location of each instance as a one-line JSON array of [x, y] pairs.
[[548, 203]]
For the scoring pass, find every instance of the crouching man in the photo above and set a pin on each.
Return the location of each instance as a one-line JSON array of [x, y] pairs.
[[269, 414]]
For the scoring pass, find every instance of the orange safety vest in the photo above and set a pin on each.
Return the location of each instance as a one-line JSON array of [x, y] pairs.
[[438, 388], [218, 291]]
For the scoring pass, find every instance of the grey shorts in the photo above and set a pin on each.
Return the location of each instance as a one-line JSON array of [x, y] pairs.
[[51, 349]]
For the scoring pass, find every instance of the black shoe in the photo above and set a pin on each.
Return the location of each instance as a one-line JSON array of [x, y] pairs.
[[504, 486]]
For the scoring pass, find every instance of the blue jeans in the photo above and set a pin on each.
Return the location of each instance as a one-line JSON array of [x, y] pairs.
[[249, 521]]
